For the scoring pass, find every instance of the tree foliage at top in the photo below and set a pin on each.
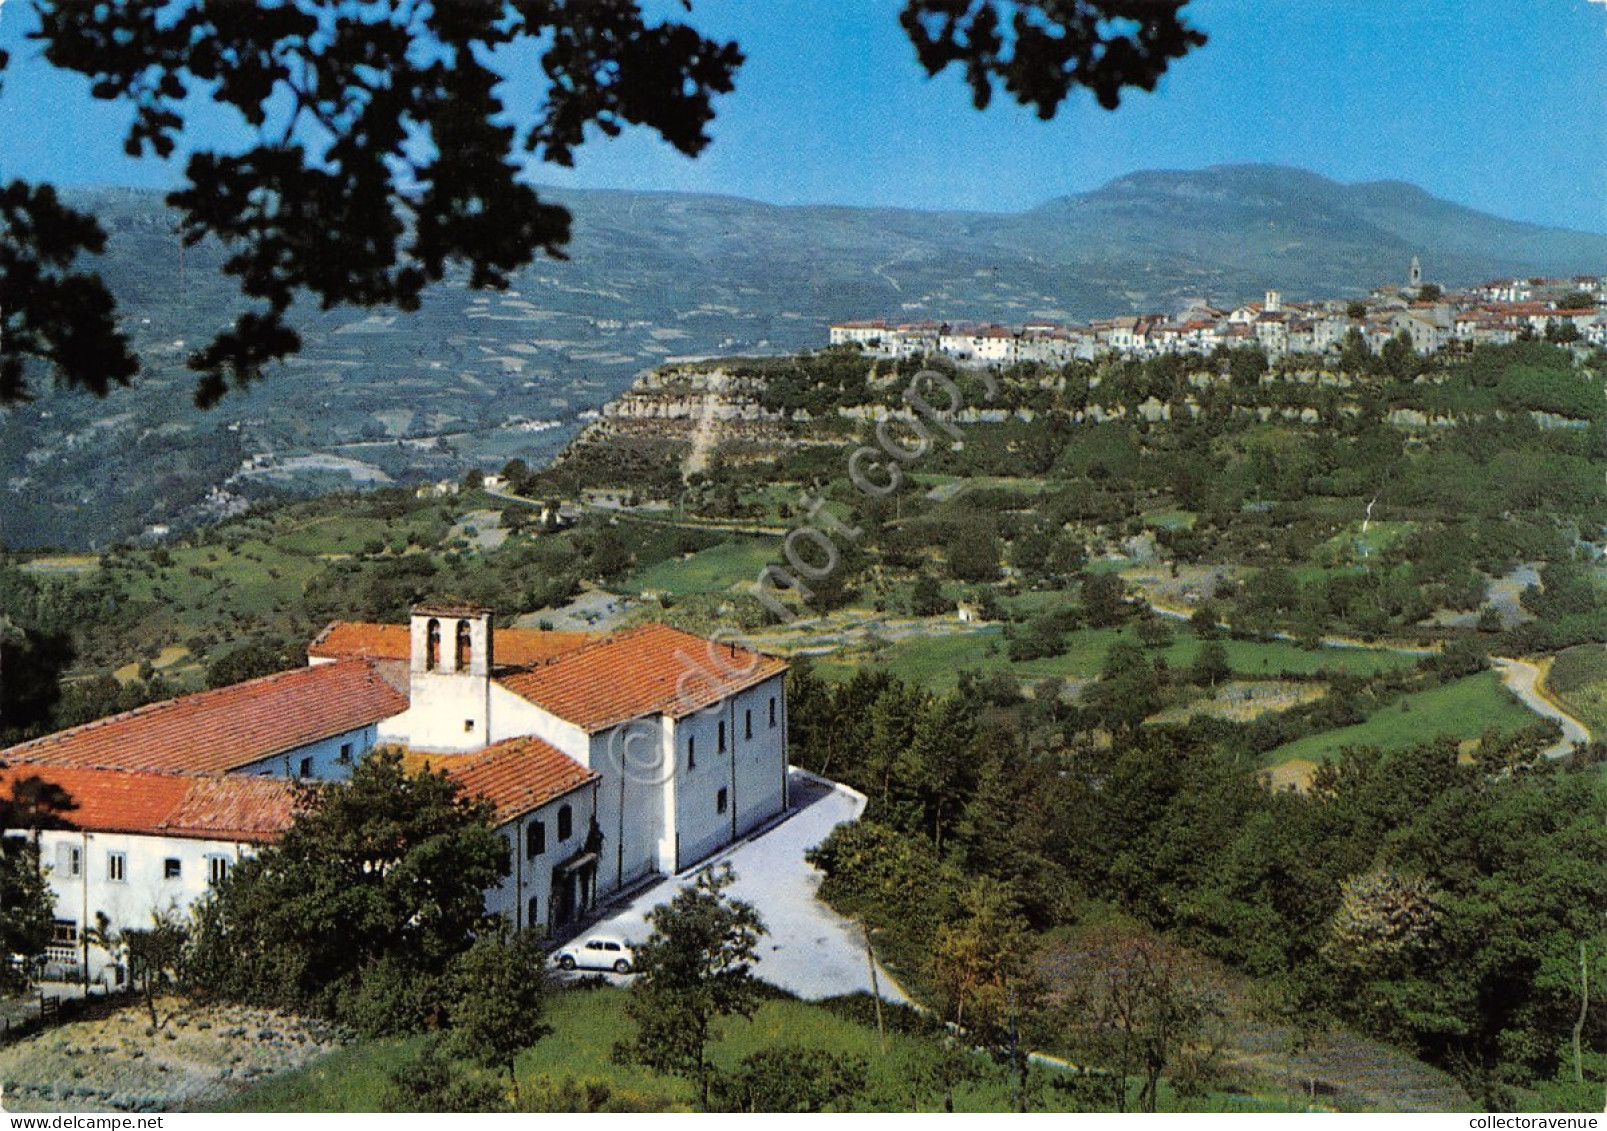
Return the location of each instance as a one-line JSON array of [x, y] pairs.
[[382, 150], [1040, 51], [363, 909]]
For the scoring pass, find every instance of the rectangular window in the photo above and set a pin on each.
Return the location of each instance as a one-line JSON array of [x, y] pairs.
[[720, 801], [566, 823], [63, 946], [468, 726], [306, 768], [747, 723], [532, 919], [772, 710], [172, 868], [691, 751], [346, 753], [117, 867], [535, 840], [722, 736], [69, 860], [217, 869]]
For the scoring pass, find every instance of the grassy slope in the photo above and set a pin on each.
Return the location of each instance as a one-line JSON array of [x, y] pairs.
[[1578, 679], [1463, 709], [708, 571], [250, 575], [935, 662], [587, 1025]]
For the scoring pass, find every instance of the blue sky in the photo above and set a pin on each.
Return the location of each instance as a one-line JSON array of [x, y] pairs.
[[1499, 104]]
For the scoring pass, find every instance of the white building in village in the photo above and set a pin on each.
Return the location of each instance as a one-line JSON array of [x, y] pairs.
[[1494, 313], [140, 844], [605, 759]]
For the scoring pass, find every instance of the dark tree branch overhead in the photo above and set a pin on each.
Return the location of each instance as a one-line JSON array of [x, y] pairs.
[[1042, 49], [384, 152], [62, 317]]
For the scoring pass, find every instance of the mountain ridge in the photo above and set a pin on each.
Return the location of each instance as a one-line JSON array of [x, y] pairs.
[[475, 378]]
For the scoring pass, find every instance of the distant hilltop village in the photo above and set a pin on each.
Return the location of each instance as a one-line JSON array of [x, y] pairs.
[[1434, 319]]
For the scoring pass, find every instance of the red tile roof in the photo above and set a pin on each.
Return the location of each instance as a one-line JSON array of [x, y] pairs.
[[654, 669], [151, 804], [511, 647], [216, 731], [515, 776]]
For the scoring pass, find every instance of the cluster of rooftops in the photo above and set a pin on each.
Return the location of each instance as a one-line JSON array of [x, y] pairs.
[[1494, 312], [191, 766]]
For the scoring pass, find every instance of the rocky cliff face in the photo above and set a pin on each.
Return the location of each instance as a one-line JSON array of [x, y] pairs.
[[699, 409]]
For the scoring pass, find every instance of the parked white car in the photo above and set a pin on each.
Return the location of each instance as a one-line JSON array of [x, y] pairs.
[[597, 953]]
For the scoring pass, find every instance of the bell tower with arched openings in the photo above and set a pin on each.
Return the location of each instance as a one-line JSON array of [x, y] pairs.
[[450, 677]]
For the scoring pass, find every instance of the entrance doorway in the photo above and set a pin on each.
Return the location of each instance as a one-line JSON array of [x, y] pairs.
[[574, 889]]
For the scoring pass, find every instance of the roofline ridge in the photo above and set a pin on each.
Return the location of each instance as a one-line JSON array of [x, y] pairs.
[[46, 741], [194, 696], [192, 776]]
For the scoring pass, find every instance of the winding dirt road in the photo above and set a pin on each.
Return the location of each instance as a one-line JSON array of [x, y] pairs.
[[1522, 678]]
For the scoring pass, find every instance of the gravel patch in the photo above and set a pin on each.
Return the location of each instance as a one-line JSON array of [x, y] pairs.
[[121, 1063]]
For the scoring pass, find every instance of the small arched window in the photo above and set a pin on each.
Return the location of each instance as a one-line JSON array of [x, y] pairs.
[[464, 646], [566, 823], [432, 646]]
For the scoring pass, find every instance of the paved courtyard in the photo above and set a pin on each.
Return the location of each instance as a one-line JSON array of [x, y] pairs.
[[810, 950]]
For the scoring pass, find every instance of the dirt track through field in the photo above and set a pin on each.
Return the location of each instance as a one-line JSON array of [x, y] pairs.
[[1523, 679]]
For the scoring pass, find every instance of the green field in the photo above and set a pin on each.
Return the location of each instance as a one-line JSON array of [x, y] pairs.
[[1578, 680], [337, 534], [1023, 485], [1463, 709], [936, 661], [1352, 545], [586, 1026], [254, 579], [588, 1023], [1171, 518], [737, 562]]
